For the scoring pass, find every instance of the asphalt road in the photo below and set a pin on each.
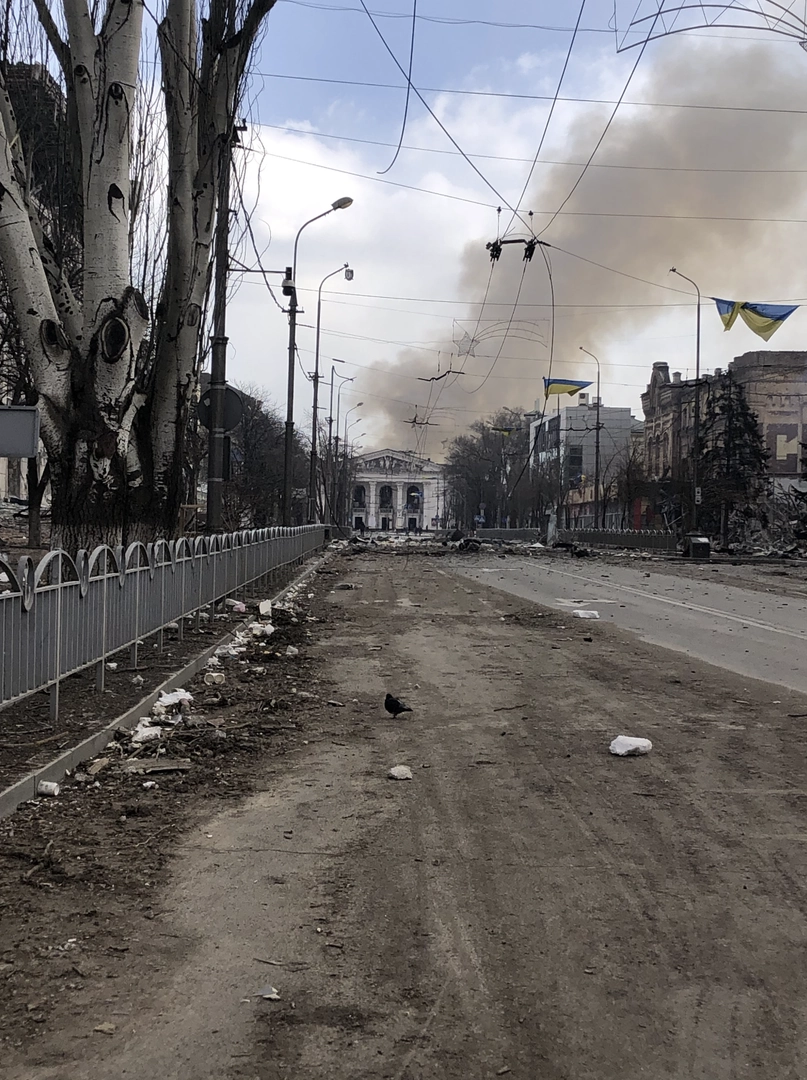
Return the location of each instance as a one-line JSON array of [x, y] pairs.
[[746, 631], [527, 906]]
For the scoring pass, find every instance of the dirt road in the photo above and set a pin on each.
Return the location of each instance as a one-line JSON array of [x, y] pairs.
[[527, 905]]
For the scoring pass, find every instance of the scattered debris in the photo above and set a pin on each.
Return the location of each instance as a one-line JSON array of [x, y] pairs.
[[48, 787], [161, 764], [137, 680], [106, 1028], [336, 704], [97, 766], [146, 731], [399, 772], [265, 607], [582, 613], [112, 665], [236, 605], [291, 650], [269, 993], [215, 678], [627, 746], [149, 785]]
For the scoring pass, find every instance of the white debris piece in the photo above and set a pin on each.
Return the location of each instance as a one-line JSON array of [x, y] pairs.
[[259, 629], [269, 993], [627, 746], [265, 607], [399, 772], [146, 731], [581, 613], [214, 678], [149, 785], [213, 662], [112, 665], [48, 787], [178, 700], [291, 650]]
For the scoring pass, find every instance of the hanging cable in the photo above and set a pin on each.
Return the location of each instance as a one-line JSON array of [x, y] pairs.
[[408, 89], [434, 115], [520, 199], [610, 120]]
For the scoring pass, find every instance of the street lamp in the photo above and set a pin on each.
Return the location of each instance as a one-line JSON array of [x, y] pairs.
[[697, 418], [596, 444], [312, 474], [290, 290], [345, 447], [333, 443]]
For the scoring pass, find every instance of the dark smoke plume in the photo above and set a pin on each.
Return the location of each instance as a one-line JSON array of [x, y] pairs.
[[737, 259]]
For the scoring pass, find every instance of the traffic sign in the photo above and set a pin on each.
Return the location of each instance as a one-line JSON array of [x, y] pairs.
[[233, 408]]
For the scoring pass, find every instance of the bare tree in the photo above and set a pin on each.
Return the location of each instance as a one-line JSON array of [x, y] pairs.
[[114, 383]]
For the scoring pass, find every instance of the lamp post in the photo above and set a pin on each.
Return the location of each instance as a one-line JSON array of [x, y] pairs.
[[290, 290], [312, 473], [596, 443], [345, 447], [696, 424], [336, 466]]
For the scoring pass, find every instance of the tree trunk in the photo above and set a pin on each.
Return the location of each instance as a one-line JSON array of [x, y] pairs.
[[36, 491]]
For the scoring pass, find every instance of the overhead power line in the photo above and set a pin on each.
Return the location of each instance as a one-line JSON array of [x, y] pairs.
[[534, 97], [524, 160], [538, 213]]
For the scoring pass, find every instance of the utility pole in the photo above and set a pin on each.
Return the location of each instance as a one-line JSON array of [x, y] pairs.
[[218, 366], [596, 443], [696, 426], [290, 290]]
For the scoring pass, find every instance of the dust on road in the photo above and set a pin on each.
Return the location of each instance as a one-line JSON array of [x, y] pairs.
[[526, 906]]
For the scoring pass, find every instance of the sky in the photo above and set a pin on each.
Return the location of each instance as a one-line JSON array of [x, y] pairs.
[[702, 166]]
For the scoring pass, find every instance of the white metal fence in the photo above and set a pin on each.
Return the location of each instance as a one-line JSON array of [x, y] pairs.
[[64, 614]]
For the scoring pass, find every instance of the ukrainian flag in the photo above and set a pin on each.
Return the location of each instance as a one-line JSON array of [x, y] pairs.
[[564, 386], [763, 319]]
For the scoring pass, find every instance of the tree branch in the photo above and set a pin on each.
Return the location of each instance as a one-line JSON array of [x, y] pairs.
[[55, 39]]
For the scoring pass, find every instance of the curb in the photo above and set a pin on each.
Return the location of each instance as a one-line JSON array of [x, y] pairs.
[[25, 789]]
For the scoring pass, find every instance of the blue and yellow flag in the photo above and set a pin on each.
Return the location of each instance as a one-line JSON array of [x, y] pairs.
[[763, 319], [564, 386]]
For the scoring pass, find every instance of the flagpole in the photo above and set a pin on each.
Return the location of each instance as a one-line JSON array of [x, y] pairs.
[[560, 472], [697, 417]]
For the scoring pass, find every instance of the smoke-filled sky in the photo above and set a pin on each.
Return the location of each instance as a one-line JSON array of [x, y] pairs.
[[703, 167]]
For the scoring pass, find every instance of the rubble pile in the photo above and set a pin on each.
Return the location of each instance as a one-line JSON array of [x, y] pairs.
[[225, 712], [435, 545]]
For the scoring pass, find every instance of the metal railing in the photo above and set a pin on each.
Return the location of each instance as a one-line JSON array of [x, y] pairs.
[[638, 539], [65, 614]]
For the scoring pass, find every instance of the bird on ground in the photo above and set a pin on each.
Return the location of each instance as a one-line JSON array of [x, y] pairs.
[[394, 706]]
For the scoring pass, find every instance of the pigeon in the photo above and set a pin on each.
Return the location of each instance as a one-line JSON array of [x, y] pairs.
[[394, 706]]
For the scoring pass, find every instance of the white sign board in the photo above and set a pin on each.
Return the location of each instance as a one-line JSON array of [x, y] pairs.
[[19, 431]]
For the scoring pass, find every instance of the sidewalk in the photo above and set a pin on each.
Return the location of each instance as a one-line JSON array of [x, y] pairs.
[[527, 905]]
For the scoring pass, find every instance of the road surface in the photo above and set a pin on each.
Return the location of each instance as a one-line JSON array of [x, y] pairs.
[[527, 906], [746, 631]]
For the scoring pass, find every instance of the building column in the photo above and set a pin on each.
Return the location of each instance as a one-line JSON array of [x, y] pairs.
[[400, 505], [372, 504]]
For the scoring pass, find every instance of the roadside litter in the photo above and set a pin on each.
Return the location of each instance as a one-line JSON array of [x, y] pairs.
[[626, 746], [291, 650], [47, 787], [581, 613], [269, 993], [399, 772]]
